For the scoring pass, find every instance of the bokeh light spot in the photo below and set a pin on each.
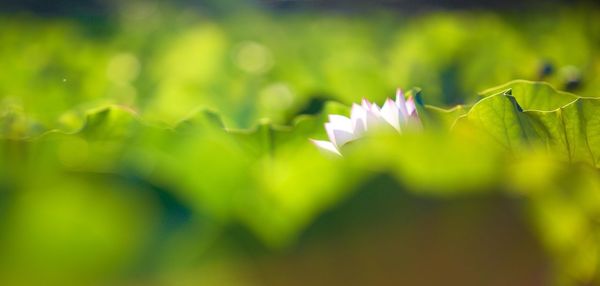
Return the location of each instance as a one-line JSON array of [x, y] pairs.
[[276, 96], [253, 57], [123, 68]]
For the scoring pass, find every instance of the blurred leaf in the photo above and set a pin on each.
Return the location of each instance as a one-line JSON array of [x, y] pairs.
[[435, 117], [111, 122]]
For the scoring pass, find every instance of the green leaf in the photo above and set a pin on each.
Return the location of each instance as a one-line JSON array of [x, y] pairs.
[[435, 117], [111, 122], [204, 117], [501, 118], [571, 130], [266, 137], [105, 123], [444, 117], [270, 177], [533, 95]]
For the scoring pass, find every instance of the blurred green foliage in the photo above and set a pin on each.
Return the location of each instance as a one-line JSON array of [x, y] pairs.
[[165, 63], [152, 152]]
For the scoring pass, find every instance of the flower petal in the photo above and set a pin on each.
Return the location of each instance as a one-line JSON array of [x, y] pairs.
[[358, 115], [410, 106], [373, 118], [375, 108], [401, 104], [365, 104], [391, 114], [337, 136], [341, 122], [326, 146], [368, 115]]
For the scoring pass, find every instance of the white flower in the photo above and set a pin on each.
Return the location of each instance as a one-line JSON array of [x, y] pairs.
[[365, 117]]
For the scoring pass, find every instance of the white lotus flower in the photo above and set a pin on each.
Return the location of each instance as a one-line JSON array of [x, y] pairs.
[[365, 117]]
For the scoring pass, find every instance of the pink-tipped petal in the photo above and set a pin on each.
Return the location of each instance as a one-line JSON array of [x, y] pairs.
[[401, 104], [326, 146], [365, 104], [358, 115], [391, 114], [410, 106], [356, 111], [373, 120], [375, 108]]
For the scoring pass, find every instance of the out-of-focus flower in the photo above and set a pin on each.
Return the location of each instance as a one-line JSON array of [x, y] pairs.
[[367, 116]]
